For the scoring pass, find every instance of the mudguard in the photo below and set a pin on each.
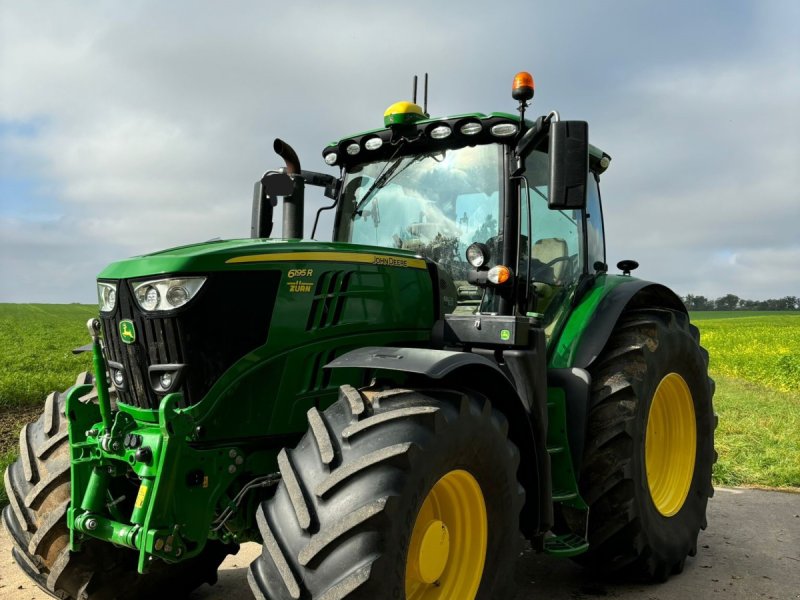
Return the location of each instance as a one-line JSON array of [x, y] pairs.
[[585, 335], [527, 427], [590, 325]]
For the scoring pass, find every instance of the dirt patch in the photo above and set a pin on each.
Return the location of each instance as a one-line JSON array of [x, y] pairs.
[[11, 421]]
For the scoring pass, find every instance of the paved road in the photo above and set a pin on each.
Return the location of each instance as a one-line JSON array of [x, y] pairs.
[[750, 551]]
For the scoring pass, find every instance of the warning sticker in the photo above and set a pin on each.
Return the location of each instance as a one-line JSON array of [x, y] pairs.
[[141, 496]]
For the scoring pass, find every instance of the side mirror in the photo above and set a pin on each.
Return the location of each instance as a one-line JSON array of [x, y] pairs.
[[265, 199], [569, 164], [277, 184]]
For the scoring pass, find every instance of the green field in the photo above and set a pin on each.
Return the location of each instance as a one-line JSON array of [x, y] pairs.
[[755, 360], [36, 342]]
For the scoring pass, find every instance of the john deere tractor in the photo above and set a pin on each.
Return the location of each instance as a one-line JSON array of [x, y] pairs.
[[390, 414]]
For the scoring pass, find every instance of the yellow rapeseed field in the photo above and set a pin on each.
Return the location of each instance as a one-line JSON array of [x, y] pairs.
[[763, 349]]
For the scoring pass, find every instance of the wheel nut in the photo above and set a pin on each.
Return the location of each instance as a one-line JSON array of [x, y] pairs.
[[232, 469]]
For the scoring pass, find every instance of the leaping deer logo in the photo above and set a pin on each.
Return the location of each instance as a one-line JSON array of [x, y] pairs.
[[127, 332]]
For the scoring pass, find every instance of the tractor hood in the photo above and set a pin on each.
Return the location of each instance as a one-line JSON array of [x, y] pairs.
[[245, 254]]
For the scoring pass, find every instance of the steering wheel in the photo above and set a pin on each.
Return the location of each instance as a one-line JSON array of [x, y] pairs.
[[549, 265]]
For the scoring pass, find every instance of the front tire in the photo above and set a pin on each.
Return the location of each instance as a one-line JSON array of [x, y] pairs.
[[393, 494], [38, 488], [646, 473]]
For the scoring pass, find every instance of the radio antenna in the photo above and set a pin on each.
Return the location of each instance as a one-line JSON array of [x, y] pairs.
[[425, 107], [414, 94]]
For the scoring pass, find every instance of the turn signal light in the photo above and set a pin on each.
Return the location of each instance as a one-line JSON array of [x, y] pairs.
[[499, 275]]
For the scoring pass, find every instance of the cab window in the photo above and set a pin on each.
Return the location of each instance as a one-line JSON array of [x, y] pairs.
[[552, 259]]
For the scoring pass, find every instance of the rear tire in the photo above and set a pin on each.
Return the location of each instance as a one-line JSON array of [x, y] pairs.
[[646, 473], [393, 494], [38, 488]]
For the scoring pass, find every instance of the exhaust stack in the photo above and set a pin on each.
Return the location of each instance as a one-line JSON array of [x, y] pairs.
[[293, 204]]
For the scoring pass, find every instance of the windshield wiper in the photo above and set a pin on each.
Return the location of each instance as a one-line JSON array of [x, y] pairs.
[[380, 181], [388, 174]]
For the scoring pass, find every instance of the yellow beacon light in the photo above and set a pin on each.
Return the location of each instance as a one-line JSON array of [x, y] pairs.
[[403, 113]]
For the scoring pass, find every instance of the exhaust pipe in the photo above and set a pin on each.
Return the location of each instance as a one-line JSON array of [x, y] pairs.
[[292, 205]]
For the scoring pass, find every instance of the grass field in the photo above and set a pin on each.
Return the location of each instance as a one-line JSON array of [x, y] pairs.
[[755, 360], [36, 342]]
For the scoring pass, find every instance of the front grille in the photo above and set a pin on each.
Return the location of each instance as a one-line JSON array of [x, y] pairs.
[[228, 318]]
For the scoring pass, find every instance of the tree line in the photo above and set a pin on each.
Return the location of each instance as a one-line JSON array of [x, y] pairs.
[[733, 302]]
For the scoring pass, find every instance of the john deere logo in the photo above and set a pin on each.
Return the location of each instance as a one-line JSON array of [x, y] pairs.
[[127, 332]]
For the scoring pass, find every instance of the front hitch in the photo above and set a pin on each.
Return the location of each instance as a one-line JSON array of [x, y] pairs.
[[142, 484]]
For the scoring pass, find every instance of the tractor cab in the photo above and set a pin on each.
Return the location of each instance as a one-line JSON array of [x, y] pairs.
[[449, 189]]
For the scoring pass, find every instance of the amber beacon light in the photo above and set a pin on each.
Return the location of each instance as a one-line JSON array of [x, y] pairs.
[[522, 89]]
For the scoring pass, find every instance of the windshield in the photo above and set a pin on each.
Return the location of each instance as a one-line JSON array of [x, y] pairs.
[[435, 204]]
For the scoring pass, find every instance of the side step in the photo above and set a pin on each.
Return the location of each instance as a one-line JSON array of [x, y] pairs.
[[565, 545]]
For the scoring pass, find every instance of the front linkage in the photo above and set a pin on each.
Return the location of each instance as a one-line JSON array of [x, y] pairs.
[[172, 515]]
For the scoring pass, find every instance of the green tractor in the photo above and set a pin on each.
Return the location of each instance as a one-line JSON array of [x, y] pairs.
[[389, 414]]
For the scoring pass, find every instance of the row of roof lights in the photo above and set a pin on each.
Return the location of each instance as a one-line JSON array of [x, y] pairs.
[[438, 132]]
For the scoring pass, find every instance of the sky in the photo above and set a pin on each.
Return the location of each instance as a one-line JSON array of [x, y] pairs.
[[128, 127]]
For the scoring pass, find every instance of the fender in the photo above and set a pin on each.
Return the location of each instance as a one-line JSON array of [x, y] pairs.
[[590, 325], [585, 335], [484, 375]]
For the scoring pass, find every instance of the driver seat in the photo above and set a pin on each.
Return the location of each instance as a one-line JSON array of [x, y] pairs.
[[548, 281], [547, 250]]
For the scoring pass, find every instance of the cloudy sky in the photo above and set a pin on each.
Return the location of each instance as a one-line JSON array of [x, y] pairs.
[[126, 127]]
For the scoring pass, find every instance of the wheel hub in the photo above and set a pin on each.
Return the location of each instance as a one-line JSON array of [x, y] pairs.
[[433, 552], [448, 543]]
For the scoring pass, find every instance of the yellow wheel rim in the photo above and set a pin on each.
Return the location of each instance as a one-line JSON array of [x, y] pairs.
[[670, 444], [448, 543]]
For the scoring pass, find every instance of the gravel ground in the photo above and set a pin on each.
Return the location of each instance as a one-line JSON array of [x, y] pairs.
[[751, 550]]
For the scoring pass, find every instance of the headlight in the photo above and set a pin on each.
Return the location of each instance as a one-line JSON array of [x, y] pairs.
[[106, 296], [166, 294]]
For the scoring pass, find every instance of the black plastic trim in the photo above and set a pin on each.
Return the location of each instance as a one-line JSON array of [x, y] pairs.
[[154, 373], [435, 364], [577, 384]]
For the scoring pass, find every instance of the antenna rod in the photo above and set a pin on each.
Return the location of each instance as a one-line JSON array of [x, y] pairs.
[[425, 108], [414, 95]]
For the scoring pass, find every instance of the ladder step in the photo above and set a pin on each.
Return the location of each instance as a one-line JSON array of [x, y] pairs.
[[562, 495], [565, 545]]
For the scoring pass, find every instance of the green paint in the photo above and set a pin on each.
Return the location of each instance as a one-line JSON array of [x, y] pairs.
[[213, 256], [562, 350], [505, 335]]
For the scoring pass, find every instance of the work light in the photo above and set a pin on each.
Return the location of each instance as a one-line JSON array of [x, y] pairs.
[[504, 129], [477, 254]]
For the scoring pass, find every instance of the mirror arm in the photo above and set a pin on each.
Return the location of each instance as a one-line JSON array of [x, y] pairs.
[[532, 138], [323, 180]]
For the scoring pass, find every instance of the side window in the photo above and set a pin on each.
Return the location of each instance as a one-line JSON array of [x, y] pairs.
[[594, 224], [556, 255]]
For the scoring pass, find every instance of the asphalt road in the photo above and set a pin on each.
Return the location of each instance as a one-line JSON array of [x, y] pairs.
[[751, 550]]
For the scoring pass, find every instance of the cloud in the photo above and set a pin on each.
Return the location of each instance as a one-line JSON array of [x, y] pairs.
[[130, 127]]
